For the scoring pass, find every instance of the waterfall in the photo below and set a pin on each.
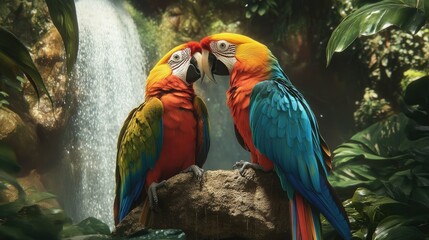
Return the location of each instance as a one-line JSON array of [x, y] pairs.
[[108, 80]]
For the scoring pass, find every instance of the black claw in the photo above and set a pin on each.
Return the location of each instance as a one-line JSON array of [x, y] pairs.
[[200, 175], [238, 165], [243, 165], [152, 195], [198, 172]]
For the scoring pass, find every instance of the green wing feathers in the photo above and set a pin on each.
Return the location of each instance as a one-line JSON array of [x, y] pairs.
[[203, 131], [139, 146]]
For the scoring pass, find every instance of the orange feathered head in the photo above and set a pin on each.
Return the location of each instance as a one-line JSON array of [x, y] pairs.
[[225, 52], [183, 61]]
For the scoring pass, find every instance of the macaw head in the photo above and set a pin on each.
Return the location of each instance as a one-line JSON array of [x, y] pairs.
[[231, 54], [182, 62]]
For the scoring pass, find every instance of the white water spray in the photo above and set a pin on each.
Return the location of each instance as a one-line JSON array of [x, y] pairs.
[[108, 80]]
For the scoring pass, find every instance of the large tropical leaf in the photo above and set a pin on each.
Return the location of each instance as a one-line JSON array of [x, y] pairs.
[[393, 164], [8, 167], [15, 58], [63, 14], [370, 156], [8, 160], [372, 18], [7, 178], [416, 99], [33, 222], [3, 100], [374, 216], [34, 196], [86, 227]]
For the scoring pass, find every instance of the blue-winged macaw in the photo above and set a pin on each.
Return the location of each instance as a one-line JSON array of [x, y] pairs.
[[274, 122], [167, 134]]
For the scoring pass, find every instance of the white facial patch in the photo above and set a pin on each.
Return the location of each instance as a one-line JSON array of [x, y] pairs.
[[224, 52], [228, 61], [179, 62]]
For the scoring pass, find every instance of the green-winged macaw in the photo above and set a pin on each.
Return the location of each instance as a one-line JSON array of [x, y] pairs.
[[274, 122], [167, 134]]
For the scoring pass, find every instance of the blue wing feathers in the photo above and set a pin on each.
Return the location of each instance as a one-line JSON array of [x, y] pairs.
[[129, 199], [285, 130]]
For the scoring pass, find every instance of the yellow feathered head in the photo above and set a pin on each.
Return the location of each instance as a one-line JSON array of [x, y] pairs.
[[224, 52], [183, 61]]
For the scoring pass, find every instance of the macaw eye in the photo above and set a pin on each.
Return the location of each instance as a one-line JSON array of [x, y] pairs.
[[176, 57], [222, 45]]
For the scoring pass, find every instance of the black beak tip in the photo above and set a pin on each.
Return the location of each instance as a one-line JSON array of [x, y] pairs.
[[212, 61]]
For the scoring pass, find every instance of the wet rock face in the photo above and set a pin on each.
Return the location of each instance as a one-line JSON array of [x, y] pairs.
[[225, 205], [179, 24], [30, 22], [31, 120], [20, 136], [50, 60]]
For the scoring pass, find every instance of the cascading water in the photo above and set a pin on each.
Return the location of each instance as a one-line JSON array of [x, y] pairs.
[[108, 81]]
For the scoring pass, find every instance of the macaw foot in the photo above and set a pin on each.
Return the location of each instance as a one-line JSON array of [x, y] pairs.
[[243, 165], [199, 172], [152, 195]]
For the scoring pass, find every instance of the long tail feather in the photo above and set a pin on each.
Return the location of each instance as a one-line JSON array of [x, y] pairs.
[[116, 209], [327, 204], [145, 218], [305, 220]]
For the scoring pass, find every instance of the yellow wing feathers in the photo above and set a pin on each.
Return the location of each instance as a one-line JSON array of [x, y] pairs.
[[140, 132]]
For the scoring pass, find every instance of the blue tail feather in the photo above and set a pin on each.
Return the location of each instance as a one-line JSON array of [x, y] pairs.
[[326, 204]]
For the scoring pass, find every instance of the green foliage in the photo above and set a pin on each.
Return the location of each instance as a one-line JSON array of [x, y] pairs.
[[162, 234], [382, 159], [3, 101], [8, 160], [416, 100], [15, 61], [375, 216], [371, 109], [31, 222], [409, 76], [388, 163], [387, 55], [85, 227], [149, 33], [409, 15], [377, 155], [256, 7], [21, 218], [15, 84], [9, 167], [393, 58], [63, 15]]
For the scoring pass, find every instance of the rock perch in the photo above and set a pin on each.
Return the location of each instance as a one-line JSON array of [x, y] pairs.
[[224, 205]]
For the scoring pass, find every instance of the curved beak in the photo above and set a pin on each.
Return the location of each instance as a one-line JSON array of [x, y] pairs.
[[195, 69], [207, 62]]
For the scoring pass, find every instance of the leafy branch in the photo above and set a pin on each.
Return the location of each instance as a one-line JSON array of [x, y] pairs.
[[384, 169], [15, 59], [409, 15]]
